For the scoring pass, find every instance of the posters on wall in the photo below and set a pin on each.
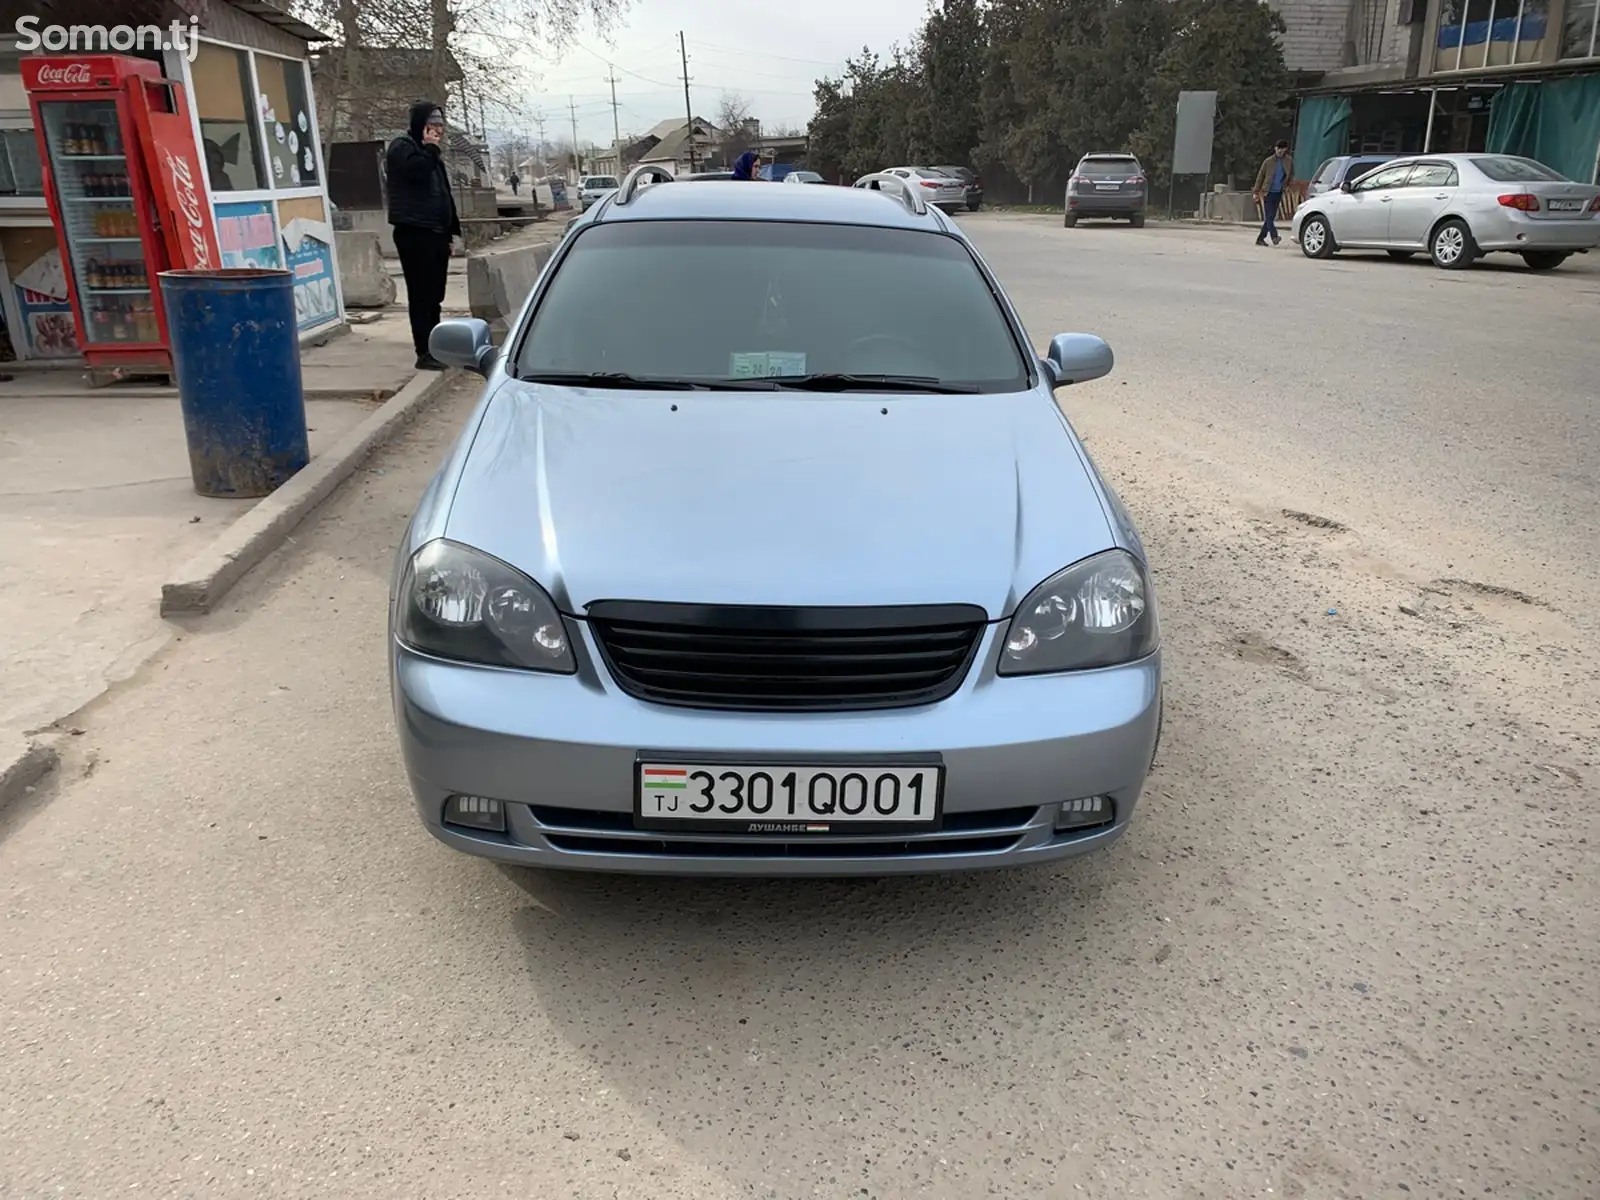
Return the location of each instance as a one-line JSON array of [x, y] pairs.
[[44, 308], [248, 236], [308, 252]]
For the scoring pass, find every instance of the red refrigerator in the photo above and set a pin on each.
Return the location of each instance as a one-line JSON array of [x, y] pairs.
[[124, 184]]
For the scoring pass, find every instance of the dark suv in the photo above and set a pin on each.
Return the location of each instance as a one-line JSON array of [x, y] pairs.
[[969, 177], [1106, 185], [1345, 168]]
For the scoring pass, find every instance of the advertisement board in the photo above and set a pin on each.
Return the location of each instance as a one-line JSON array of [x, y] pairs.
[[308, 253], [248, 236]]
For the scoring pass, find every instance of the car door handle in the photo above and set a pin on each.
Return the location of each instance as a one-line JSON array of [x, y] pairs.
[[1387, 199], [1441, 195]]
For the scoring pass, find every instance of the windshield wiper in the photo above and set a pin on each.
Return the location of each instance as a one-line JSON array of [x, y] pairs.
[[837, 382], [611, 379]]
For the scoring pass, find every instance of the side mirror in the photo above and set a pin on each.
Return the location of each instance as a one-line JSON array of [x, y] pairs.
[[1345, 186], [463, 342], [1077, 358]]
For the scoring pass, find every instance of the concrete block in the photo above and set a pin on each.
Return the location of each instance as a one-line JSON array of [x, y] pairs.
[[362, 272], [498, 281], [374, 220]]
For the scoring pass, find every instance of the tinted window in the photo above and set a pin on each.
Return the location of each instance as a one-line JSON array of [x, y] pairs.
[[961, 173], [727, 299], [1505, 169], [1108, 166], [1360, 166], [1388, 177], [1433, 175]]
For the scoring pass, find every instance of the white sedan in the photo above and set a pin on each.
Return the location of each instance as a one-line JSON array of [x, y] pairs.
[[1456, 208]]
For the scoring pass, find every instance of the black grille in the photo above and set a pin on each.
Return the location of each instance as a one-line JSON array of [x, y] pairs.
[[787, 659], [683, 848]]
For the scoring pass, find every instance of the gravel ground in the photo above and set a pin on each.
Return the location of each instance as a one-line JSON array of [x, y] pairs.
[[1348, 949]]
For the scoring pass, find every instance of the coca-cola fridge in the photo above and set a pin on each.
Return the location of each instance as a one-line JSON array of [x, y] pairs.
[[123, 181]]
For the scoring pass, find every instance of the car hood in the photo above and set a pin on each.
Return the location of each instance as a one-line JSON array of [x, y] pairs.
[[777, 498]]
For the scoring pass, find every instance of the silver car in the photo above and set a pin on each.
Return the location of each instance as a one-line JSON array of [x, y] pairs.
[[594, 189], [768, 550], [944, 191], [1455, 208]]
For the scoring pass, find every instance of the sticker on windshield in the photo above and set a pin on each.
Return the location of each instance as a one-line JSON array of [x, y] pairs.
[[763, 364]]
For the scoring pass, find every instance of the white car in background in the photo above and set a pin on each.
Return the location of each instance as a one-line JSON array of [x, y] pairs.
[[938, 189], [593, 189], [1455, 208]]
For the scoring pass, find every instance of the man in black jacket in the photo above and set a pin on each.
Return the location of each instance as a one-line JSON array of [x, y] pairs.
[[423, 214]]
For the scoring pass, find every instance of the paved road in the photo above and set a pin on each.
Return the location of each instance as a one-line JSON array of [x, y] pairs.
[[1348, 950]]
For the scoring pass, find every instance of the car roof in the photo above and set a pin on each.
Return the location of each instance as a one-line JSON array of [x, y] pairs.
[[743, 200], [1110, 154]]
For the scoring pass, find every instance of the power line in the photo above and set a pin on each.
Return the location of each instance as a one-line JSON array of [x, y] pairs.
[[749, 52]]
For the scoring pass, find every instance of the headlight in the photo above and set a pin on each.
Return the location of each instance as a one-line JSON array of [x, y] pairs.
[[460, 603], [1096, 613]]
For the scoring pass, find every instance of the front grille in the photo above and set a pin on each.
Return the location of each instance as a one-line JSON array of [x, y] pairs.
[[685, 848], [786, 659], [585, 831]]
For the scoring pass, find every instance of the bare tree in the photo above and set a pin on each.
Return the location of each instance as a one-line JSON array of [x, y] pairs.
[[740, 131]]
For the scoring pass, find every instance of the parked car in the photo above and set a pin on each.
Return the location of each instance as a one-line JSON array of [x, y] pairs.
[[973, 184], [803, 177], [767, 550], [1455, 208], [593, 189], [1106, 185], [939, 189], [709, 175], [1342, 169]]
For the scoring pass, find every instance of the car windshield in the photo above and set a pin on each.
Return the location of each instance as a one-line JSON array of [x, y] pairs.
[[806, 176], [1503, 168], [599, 181], [1108, 166], [744, 300]]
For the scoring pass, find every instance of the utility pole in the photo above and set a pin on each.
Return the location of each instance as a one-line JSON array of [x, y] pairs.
[[538, 119], [572, 108], [688, 112], [616, 126]]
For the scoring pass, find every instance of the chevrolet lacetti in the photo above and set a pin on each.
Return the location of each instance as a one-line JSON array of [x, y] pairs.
[[767, 550]]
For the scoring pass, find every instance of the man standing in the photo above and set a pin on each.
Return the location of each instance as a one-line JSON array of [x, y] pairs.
[[423, 214], [514, 181], [1275, 175]]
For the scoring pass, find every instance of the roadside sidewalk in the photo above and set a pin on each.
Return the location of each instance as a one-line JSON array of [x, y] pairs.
[[98, 513]]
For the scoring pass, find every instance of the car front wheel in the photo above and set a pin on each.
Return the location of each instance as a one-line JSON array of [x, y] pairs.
[[1316, 238], [1451, 246], [1544, 260]]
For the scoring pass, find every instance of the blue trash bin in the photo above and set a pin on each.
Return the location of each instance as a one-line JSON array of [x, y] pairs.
[[236, 360]]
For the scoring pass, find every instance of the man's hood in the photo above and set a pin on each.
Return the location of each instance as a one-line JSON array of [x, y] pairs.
[[777, 499], [420, 112]]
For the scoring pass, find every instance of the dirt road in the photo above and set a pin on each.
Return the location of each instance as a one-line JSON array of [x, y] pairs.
[[1348, 949]]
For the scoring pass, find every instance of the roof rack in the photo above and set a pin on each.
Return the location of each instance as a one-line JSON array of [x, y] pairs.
[[909, 196], [638, 175]]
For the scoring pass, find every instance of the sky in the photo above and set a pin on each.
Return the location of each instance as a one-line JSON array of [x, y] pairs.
[[769, 51]]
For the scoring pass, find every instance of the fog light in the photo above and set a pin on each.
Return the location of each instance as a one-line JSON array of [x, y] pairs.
[[1080, 814], [475, 812]]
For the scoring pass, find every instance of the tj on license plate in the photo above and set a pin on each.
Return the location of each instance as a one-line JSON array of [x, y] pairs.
[[775, 798]]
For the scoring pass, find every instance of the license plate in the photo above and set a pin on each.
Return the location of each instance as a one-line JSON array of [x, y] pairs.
[[1565, 205], [787, 799], [1106, 187]]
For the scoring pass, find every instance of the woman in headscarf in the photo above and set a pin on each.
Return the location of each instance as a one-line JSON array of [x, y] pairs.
[[745, 166]]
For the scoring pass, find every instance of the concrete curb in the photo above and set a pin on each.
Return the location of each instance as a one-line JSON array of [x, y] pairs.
[[24, 765], [200, 583]]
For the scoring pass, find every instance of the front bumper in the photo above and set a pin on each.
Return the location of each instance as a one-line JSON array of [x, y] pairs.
[[1105, 204], [560, 753]]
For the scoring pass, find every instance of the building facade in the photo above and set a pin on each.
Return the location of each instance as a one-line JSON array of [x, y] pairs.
[[1407, 76], [255, 123]]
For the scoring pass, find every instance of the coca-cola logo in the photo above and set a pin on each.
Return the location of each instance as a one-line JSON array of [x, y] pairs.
[[189, 205], [65, 75]]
